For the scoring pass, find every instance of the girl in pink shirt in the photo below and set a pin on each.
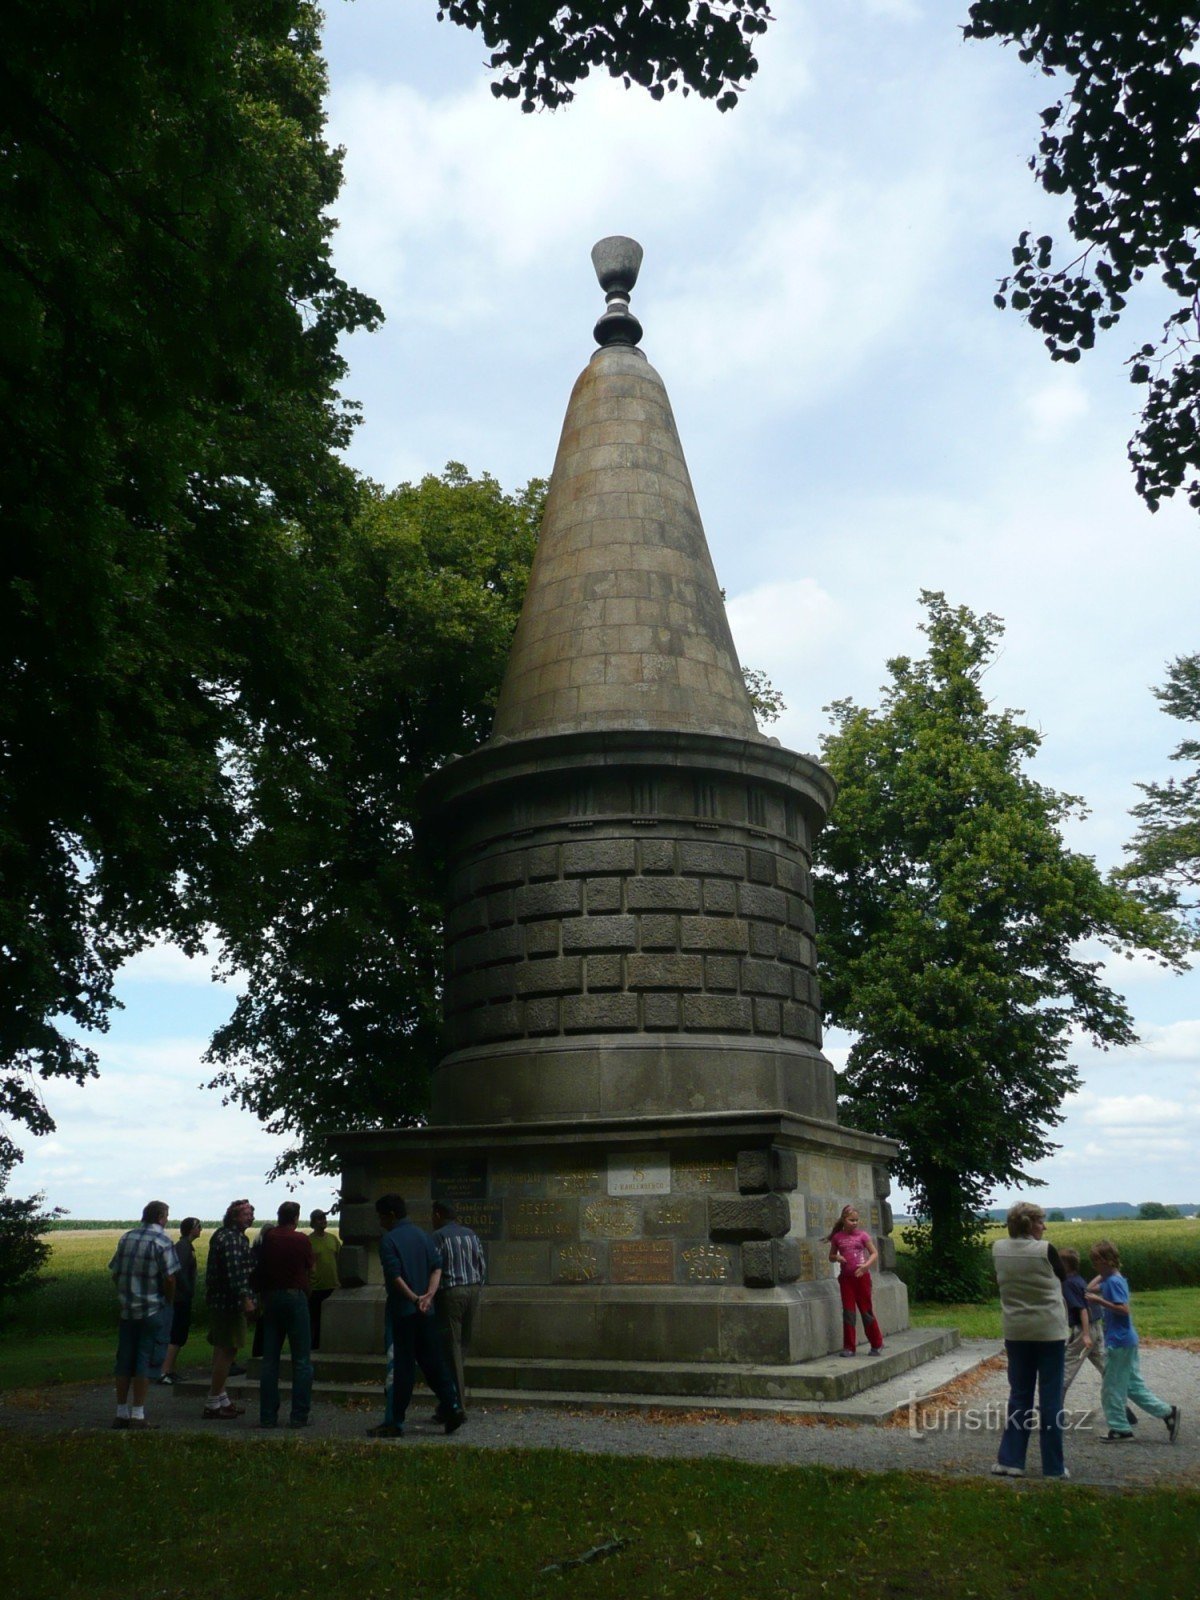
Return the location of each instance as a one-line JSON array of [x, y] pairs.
[[855, 1250]]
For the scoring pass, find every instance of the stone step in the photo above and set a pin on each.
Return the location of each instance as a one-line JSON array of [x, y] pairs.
[[914, 1364]]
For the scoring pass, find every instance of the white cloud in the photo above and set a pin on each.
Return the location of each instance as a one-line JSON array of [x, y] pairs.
[[167, 963], [1120, 1113], [1057, 403]]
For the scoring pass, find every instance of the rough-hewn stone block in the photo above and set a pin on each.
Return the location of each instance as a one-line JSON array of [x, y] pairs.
[[765, 939], [484, 984], [484, 949], [542, 862], [882, 1179], [359, 1221], [657, 855], [665, 972], [586, 857], [721, 973], [796, 947], [599, 1013], [758, 900], [761, 867], [800, 914], [766, 1171], [541, 1015], [792, 875], [471, 916], [662, 894], [553, 975], [604, 894], [353, 1264], [604, 972], [767, 978], [768, 1017], [720, 897], [717, 860], [801, 1023], [886, 1222], [767, 1262], [887, 1254], [496, 1022], [500, 907], [658, 932], [541, 939], [717, 1013], [497, 872], [554, 899], [752, 1216], [600, 933], [660, 1013], [713, 933]]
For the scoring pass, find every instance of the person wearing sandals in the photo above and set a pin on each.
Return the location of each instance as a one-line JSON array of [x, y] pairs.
[[855, 1250], [1034, 1316]]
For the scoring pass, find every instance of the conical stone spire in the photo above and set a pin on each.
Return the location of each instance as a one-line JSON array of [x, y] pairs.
[[623, 625]]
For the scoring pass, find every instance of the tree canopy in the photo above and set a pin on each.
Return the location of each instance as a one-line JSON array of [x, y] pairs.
[[172, 502], [334, 920], [953, 924], [1164, 859]]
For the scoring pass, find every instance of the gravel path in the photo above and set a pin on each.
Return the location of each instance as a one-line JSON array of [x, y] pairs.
[[956, 1439]]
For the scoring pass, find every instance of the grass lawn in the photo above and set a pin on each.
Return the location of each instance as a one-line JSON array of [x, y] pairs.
[[1157, 1314], [129, 1516]]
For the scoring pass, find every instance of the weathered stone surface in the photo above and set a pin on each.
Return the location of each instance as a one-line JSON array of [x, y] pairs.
[[599, 1013], [717, 1013], [358, 1222], [768, 1262], [595, 856], [882, 1180], [765, 1171], [748, 1217], [556, 899], [600, 933], [887, 1254], [674, 972], [353, 1265]]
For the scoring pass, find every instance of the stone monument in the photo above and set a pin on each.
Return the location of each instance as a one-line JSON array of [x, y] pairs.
[[634, 1112]]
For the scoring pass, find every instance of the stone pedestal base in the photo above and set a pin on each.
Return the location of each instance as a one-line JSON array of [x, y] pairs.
[[638, 1239]]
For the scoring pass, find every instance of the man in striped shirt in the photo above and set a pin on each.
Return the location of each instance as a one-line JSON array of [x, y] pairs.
[[464, 1272], [145, 1269]]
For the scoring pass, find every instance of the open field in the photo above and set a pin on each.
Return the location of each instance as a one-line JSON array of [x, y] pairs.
[[715, 1529], [1154, 1255]]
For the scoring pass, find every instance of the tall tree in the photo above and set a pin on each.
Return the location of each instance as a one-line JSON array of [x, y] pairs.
[[953, 920], [172, 503], [335, 921], [1165, 854]]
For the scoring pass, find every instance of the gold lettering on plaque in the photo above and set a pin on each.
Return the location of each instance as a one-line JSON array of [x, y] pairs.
[[708, 1263], [577, 1263], [703, 1174], [673, 1214], [541, 1219], [579, 1180], [613, 1218], [642, 1261]]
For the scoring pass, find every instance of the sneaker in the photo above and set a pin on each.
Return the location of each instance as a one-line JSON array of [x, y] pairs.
[[167, 1378], [385, 1430], [847, 1354], [1001, 1471], [1057, 1477], [877, 1350], [1172, 1422], [237, 1370], [455, 1420], [222, 1413], [1114, 1436]]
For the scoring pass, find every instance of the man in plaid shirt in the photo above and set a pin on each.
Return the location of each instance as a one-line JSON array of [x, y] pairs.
[[230, 1302], [144, 1268]]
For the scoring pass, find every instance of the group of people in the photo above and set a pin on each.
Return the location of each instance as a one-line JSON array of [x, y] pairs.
[[1054, 1321], [282, 1281]]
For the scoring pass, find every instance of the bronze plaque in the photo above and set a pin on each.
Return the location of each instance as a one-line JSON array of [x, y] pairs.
[[609, 1219], [519, 1177], [482, 1215], [676, 1214], [641, 1261], [542, 1219], [519, 1263], [576, 1263], [460, 1178], [708, 1263], [691, 1177], [573, 1180]]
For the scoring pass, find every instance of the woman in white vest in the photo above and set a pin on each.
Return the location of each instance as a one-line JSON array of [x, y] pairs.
[[1035, 1336]]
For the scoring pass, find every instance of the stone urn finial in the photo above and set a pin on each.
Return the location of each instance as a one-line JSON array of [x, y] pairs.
[[617, 261]]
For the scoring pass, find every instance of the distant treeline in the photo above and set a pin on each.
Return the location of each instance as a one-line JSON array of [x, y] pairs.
[[1111, 1209], [96, 1225]]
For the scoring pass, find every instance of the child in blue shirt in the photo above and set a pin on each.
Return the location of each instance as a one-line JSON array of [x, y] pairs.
[[1123, 1379], [1085, 1330]]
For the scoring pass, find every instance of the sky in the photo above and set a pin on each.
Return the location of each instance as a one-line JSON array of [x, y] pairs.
[[860, 424]]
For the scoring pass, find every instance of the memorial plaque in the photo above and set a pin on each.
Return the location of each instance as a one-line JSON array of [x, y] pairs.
[[542, 1219], [799, 1211], [676, 1214], [399, 1177], [648, 1173], [576, 1263], [517, 1178], [519, 1263], [460, 1178], [574, 1180], [610, 1219], [700, 1177], [876, 1218], [641, 1261], [808, 1261], [483, 1215], [708, 1263]]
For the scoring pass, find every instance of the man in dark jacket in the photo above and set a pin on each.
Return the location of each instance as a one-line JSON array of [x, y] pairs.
[[230, 1303], [412, 1271]]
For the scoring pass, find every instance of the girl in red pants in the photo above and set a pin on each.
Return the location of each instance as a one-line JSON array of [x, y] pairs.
[[854, 1248]]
